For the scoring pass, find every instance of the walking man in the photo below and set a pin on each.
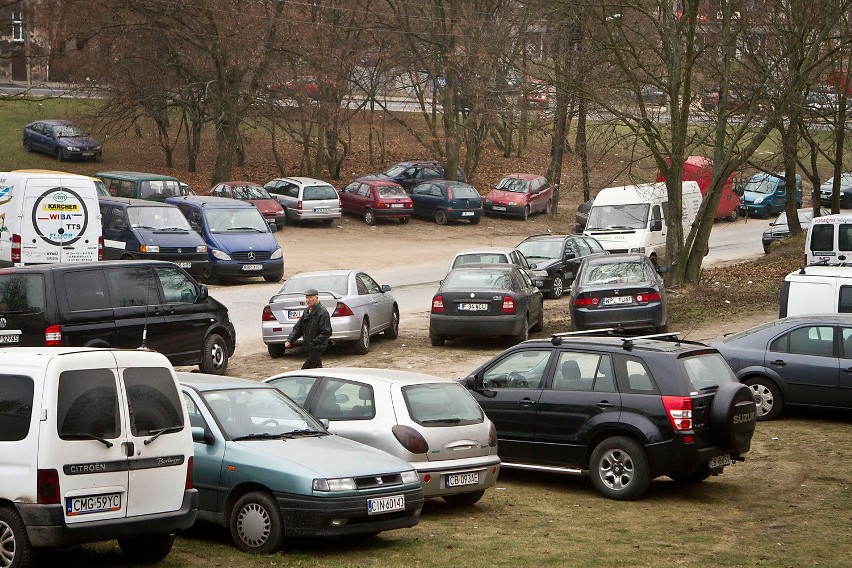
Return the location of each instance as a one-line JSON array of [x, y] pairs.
[[315, 327]]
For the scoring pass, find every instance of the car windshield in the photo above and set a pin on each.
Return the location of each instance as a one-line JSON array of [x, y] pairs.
[[707, 370], [480, 258], [515, 185], [631, 216], [462, 190], [317, 192], [441, 404], [68, 131], [242, 220], [160, 189], [476, 279], [335, 283], [157, 218], [541, 249], [765, 184], [615, 273], [102, 190], [259, 413], [395, 171], [250, 192], [391, 191]]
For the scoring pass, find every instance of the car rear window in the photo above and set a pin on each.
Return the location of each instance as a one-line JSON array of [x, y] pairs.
[[467, 279], [391, 191], [484, 258], [317, 192], [441, 404], [337, 283], [153, 400], [707, 370], [16, 407], [463, 191], [87, 405], [21, 293], [615, 273]]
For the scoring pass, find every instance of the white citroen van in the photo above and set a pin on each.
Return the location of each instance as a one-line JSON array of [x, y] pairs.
[[817, 290], [48, 218], [829, 240], [632, 218], [94, 445]]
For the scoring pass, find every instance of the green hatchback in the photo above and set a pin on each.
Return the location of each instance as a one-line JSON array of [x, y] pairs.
[[269, 470]]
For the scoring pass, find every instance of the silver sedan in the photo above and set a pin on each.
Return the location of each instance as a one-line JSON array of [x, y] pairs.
[[430, 422], [358, 306]]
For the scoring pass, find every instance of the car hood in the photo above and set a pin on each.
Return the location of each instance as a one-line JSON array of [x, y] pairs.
[[542, 263], [751, 196], [79, 141], [230, 242], [267, 206], [188, 238], [506, 197]]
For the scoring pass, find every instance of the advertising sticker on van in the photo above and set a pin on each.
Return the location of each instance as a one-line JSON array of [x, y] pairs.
[[60, 216]]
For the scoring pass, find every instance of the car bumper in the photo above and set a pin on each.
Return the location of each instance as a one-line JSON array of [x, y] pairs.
[[473, 326], [337, 516], [81, 154], [752, 210], [238, 269], [674, 456], [196, 267], [464, 214], [279, 220], [545, 283], [393, 213], [346, 328], [501, 209], [46, 525], [632, 317], [308, 215], [433, 475]]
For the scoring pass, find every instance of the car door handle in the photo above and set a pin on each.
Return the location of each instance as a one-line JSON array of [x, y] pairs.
[[779, 362], [129, 448], [604, 404], [526, 402]]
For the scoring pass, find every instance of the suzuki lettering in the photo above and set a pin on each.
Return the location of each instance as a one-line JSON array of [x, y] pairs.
[[60, 217]]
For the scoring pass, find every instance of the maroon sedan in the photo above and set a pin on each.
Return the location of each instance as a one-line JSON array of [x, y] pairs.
[[376, 198], [519, 195], [255, 194]]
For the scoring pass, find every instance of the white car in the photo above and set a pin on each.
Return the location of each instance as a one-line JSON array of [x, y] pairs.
[[430, 422], [305, 199], [490, 255]]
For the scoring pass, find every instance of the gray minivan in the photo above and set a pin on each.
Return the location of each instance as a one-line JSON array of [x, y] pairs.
[[141, 185], [305, 199]]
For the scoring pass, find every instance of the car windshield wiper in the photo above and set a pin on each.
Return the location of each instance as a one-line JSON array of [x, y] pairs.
[[619, 227], [145, 227], [442, 421], [157, 433], [294, 433], [181, 229], [86, 436], [255, 229], [255, 436]]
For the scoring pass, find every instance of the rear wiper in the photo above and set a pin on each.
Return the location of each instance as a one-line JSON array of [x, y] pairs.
[[87, 436], [157, 433], [442, 421]]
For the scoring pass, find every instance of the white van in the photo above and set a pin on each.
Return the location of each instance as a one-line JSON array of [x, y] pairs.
[[817, 290], [94, 445], [48, 218], [632, 218], [829, 240]]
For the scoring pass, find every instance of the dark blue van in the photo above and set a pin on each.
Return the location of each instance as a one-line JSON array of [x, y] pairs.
[[148, 230], [239, 240]]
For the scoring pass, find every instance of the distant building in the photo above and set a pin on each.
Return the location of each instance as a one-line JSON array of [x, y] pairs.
[[24, 48]]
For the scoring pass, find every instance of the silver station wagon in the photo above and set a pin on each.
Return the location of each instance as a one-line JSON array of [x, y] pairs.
[[430, 422]]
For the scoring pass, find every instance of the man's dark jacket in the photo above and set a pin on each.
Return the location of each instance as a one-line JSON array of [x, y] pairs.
[[314, 326]]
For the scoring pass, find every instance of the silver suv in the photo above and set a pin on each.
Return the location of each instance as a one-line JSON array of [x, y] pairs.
[[305, 199]]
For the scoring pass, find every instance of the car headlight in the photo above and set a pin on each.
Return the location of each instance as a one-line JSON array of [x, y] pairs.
[[638, 249], [342, 484], [512, 203], [201, 248], [758, 200], [541, 273], [72, 148], [96, 148], [220, 254], [277, 254], [410, 476], [149, 248]]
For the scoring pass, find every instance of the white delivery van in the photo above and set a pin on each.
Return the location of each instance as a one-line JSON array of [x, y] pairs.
[[48, 218], [95, 444], [817, 290], [632, 218], [829, 240]]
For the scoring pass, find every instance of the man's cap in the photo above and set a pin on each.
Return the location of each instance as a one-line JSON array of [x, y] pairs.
[[311, 292]]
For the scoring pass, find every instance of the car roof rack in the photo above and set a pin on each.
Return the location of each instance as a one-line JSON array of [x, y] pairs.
[[556, 338], [627, 342]]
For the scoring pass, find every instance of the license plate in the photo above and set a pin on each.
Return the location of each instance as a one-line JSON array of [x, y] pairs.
[[88, 153], [467, 213], [385, 505], [720, 461], [322, 209], [185, 264], [467, 307], [458, 479], [293, 314], [252, 267], [499, 208], [92, 504], [10, 338], [398, 205], [617, 300]]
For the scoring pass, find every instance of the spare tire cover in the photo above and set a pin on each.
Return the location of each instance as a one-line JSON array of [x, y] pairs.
[[733, 417]]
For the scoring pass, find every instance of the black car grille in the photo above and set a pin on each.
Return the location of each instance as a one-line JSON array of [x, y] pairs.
[[374, 481], [256, 255], [617, 251]]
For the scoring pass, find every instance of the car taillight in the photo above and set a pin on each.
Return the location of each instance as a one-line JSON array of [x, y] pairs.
[[679, 410], [47, 484], [341, 310], [16, 249], [586, 301], [508, 306], [438, 305], [411, 439], [651, 297], [188, 483], [100, 248], [53, 336], [299, 205], [492, 436], [267, 314], [449, 193]]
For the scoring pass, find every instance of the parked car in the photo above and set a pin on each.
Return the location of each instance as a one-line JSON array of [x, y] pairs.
[[792, 361], [535, 92], [766, 194], [305, 199], [432, 423], [307, 86], [653, 95], [69, 417], [62, 139], [141, 185], [622, 291], [820, 289], [267, 469], [358, 306], [556, 259], [829, 240], [490, 255], [410, 173], [622, 410], [485, 300], [519, 195], [738, 100], [581, 217], [700, 169], [826, 191], [446, 201], [255, 194], [779, 229], [374, 198]]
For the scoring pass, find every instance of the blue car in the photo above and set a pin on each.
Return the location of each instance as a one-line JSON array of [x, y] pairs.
[[62, 139], [766, 194], [413, 172], [444, 201], [239, 240]]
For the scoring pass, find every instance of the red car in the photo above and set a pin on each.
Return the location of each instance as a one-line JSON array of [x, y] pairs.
[[255, 194], [376, 198], [519, 195]]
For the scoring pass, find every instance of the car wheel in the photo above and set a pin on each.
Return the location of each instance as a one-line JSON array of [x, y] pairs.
[[539, 323], [327, 221], [662, 328], [768, 397], [619, 469], [146, 549], [15, 548], [208, 276], [274, 277], [256, 524], [441, 217], [369, 217], [276, 350], [734, 215], [653, 258], [846, 201], [435, 339], [463, 499], [558, 287], [60, 155], [404, 220], [525, 214], [475, 220], [765, 249], [214, 355], [393, 331], [525, 331], [690, 477], [362, 346]]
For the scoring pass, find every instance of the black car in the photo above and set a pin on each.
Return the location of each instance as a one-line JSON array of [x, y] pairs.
[[804, 360], [556, 258], [826, 191], [625, 410], [62, 139], [779, 229], [485, 300], [410, 173], [581, 217], [623, 291]]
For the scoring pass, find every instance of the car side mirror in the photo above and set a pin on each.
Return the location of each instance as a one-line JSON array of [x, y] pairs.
[[533, 266], [202, 292], [656, 225], [739, 189], [570, 255], [201, 435], [386, 288], [325, 423], [662, 269]]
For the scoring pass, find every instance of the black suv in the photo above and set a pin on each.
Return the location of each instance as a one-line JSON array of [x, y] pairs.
[[623, 409], [555, 259], [414, 172]]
